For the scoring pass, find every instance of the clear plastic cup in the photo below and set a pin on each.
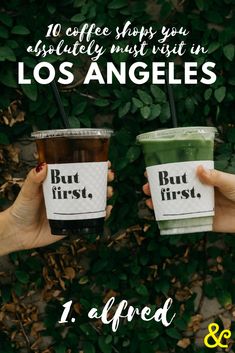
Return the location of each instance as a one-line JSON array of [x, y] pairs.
[[182, 204], [76, 185]]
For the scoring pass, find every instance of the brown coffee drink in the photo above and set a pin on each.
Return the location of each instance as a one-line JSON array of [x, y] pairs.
[[76, 183]]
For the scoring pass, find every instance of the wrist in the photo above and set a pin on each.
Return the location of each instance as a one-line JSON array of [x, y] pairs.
[[8, 241]]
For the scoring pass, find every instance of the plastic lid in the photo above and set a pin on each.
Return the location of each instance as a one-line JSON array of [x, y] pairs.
[[171, 133], [79, 133]]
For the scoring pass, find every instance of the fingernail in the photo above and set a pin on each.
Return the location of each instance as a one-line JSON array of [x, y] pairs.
[[40, 167]]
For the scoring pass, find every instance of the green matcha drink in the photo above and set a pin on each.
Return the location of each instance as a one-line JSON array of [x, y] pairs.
[[181, 203]]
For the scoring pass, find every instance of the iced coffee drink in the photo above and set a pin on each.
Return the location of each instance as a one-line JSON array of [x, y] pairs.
[[76, 184]]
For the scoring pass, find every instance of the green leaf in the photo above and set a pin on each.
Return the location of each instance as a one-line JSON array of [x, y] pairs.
[[221, 165], [4, 139], [22, 276], [79, 108], [172, 332], [180, 324], [155, 111], [31, 91], [123, 110], [61, 348], [99, 265], [88, 347], [158, 93], [53, 58], [83, 280], [145, 112], [85, 9], [51, 9], [189, 105], [8, 78], [137, 103], [207, 94], [207, 109], [120, 164], [164, 286], [165, 252], [104, 347], [85, 120], [231, 81], [145, 97], [117, 4], [133, 153], [78, 3], [214, 16], [123, 137], [29, 61], [229, 51], [209, 290], [86, 329], [117, 103], [74, 122], [78, 18], [100, 102], [6, 19], [108, 339], [103, 92], [220, 94], [142, 290], [19, 29], [213, 47], [3, 32], [200, 4], [231, 134], [126, 343], [224, 298], [7, 53], [165, 113], [166, 9], [12, 44]]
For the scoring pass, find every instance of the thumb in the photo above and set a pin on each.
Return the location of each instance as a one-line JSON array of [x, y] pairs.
[[224, 181], [32, 185]]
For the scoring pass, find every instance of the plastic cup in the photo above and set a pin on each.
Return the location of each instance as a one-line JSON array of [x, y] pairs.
[[75, 188], [182, 204]]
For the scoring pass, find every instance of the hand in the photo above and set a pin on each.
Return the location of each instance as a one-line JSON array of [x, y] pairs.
[[224, 219], [224, 183], [25, 222]]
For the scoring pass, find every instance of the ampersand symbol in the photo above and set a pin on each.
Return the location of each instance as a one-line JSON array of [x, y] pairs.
[[213, 329]]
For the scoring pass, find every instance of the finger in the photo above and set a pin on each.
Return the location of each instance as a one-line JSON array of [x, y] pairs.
[[145, 174], [149, 203], [32, 185], [109, 192], [111, 176], [146, 189], [108, 211], [223, 181], [109, 164]]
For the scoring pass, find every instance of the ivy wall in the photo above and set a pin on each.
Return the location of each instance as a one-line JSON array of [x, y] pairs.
[[134, 263]]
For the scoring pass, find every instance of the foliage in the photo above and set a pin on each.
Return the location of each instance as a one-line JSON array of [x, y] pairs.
[[138, 264]]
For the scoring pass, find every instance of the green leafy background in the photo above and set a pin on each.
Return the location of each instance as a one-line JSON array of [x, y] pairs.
[[133, 263]]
